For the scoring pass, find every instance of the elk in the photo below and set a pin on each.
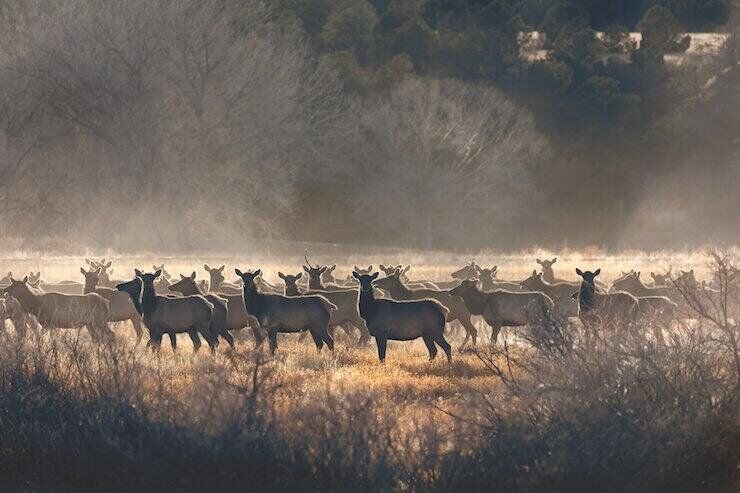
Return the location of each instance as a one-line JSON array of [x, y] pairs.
[[188, 287], [454, 304], [65, 287], [470, 271], [661, 279], [560, 293], [402, 320], [133, 289], [5, 281], [390, 269], [314, 277], [121, 305], [506, 308], [11, 309], [64, 311], [548, 275], [217, 284], [328, 275], [608, 309], [346, 314], [632, 284], [489, 283], [163, 315], [278, 313]]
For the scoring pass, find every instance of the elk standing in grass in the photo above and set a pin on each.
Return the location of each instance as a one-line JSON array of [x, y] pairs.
[[217, 284], [508, 309], [457, 311], [285, 314], [609, 310], [121, 306], [63, 311], [402, 320], [346, 314], [560, 293], [187, 287]]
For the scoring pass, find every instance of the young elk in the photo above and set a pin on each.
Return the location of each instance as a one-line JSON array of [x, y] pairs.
[[402, 320], [454, 304], [188, 287], [609, 310], [57, 310], [121, 306], [559, 293], [163, 315], [345, 316], [507, 309], [285, 314]]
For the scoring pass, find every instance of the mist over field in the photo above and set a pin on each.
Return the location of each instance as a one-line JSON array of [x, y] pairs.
[[214, 125]]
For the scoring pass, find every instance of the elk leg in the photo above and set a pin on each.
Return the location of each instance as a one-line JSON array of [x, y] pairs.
[[382, 343], [470, 331], [258, 339], [431, 347], [495, 329], [226, 335], [329, 340], [442, 342], [272, 335], [155, 341], [173, 341], [318, 340], [136, 322], [196, 340]]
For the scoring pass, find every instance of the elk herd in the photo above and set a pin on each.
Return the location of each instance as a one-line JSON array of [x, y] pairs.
[[364, 305]]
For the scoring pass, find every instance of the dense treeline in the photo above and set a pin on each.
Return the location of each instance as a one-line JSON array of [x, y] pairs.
[[201, 125]]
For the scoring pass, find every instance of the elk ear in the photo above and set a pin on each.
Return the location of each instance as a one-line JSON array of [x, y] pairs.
[[382, 267], [638, 274], [534, 273], [257, 272], [281, 275], [25, 279], [652, 274], [107, 266], [138, 273], [370, 267], [306, 269], [300, 274], [374, 276], [97, 272], [355, 268], [597, 272], [408, 268], [182, 277], [322, 270], [555, 259], [355, 274], [221, 269], [208, 269], [238, 272], [578, 271], [331, 269], [83, 272], [192, 276], [157, 273], [539, 261]]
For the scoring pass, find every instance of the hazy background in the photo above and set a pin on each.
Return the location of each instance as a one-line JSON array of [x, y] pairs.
[[216, 125]]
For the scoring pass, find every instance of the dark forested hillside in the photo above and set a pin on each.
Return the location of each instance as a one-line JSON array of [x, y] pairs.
[[431, 123]]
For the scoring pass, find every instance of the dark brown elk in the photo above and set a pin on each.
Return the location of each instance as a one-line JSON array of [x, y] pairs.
[[285, 314], [164, 315], [508, 309], [402, 320], [610, 310], [121, 306], [457, 311], [188, 287], [346, 314], [63, 311]]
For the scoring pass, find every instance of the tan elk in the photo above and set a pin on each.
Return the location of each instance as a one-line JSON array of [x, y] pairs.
[[217, 284], [285, 314], [457, 310], [402, 320], [560, 293], [11, 309], [63, 311], [508, 309], [346, 314], [188, 287], [121, 306]]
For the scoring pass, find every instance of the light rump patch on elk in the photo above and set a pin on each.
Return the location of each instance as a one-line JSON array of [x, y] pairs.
[[508, 309], [121, 306], [63, 311], [402, 320], [187, 287], [278, 313], [457, 311], [346, 314], [163, 315]]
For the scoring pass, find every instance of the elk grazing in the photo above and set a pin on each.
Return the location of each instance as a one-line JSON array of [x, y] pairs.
[[217, 284], [163, 315], [401, 320], [278, 313], [63, 311], [454, 304], [346, 314], [188, 287], [121, 306], [559, 293], [608, 309], [506, 308]]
